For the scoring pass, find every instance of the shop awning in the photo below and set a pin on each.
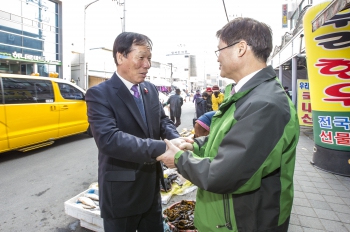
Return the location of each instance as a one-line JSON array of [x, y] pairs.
[[332, 9]]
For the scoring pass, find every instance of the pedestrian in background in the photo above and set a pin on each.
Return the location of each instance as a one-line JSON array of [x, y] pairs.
[[217, 97], [197, 95], [287, 91], [245, 177], [209, 102], [201, 105], [127, 122], [175, 101]]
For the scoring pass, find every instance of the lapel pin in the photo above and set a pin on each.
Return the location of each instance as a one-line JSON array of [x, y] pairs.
[[146, 90]]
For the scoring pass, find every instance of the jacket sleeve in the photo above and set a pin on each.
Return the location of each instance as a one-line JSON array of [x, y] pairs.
[[246, 154], [113, 142]]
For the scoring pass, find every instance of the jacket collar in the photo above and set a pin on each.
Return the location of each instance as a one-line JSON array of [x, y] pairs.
[[263, 75], [260, 77], [124, 94]]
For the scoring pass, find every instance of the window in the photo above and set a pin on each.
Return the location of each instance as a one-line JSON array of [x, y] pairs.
[[1, 100], [10, 39], [32, 43], [21, 91], [69, 92], [43, 70]]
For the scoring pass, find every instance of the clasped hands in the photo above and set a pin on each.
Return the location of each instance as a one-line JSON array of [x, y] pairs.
[[173, 146]]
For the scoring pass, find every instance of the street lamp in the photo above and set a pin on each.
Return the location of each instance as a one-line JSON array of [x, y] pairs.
[[86, 84]]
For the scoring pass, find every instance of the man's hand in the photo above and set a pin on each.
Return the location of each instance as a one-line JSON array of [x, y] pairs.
[[169, 155], [186, 146], [178, 141], [187, 139]]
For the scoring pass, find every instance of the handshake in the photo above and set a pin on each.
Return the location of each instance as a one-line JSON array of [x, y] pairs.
[[173, 146]]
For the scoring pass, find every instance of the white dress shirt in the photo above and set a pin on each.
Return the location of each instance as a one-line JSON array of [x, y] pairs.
[[128, 84], [244, 80]]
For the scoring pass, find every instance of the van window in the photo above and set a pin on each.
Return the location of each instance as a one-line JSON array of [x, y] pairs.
[[70, 92], [19, 91], [1, 90]]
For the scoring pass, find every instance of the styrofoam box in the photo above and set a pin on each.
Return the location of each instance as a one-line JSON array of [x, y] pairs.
[[89, 219]]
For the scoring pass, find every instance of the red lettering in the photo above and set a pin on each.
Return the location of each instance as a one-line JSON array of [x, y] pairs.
[[337, 95], [306, 95], [342, 138], [329, 66], [326, 137], [307, 119], [306, 107]]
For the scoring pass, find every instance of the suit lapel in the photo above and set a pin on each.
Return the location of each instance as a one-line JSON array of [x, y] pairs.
[[124, 94], [147, 105]]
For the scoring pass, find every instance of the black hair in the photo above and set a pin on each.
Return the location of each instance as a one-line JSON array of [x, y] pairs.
[[205, 94], [125, 40], [258, 35]]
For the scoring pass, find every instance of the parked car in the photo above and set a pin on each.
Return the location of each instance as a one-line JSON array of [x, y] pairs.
[[35, 111]]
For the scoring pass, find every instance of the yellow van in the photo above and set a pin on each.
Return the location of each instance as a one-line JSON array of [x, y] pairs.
[[35, 111]]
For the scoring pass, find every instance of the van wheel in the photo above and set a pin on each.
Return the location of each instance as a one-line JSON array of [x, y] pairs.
[[88, 132]]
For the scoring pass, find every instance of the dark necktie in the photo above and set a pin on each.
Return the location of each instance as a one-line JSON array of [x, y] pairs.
[[135, 89], [139, 102]]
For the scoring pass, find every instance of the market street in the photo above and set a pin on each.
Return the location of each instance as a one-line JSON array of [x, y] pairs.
[[35, 185]]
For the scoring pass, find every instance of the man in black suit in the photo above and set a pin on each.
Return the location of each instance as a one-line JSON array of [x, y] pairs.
[[127, 122]]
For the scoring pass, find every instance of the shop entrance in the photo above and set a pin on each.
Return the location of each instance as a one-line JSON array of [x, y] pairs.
[[16, 67], [27, 69]]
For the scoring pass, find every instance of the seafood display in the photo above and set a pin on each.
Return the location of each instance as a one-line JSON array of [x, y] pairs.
[[89, 200], [180, 216], [169, 180]]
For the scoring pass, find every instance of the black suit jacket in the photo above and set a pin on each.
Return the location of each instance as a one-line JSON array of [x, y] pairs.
[[128, 174]]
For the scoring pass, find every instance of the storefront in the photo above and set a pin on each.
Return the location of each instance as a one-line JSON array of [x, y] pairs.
[[30, 38], [26, 64]]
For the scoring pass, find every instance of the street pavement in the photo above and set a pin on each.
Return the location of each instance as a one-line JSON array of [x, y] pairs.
[[321, 199]]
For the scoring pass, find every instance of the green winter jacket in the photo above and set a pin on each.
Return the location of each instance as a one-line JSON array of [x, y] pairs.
[[244, 167]]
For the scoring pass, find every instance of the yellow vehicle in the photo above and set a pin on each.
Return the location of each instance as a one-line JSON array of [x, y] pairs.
[[35, 111]]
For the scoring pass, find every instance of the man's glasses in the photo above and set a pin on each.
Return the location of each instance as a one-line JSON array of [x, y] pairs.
[[218, 51]]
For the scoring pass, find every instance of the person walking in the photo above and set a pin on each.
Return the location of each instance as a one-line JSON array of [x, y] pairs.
[[197, 95], [127, 122], [245, 176], [216, 98], [175, 101]]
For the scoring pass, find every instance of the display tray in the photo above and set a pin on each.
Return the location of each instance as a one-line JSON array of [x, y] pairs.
[[89, 219]]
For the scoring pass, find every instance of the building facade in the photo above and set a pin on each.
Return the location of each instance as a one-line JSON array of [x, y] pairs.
[[30, 37]]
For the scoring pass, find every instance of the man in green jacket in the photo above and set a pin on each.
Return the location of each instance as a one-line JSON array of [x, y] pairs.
[[244, 168]]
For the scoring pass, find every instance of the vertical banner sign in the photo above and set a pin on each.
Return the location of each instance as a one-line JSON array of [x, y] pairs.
[[284, 16], [328, 64], [304, 103]]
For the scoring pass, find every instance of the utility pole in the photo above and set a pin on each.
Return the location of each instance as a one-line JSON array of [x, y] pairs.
[[171, 74], [86, 81], [123, 22]]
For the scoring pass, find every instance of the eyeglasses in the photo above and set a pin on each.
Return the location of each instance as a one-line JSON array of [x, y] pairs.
[[218, 51]]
